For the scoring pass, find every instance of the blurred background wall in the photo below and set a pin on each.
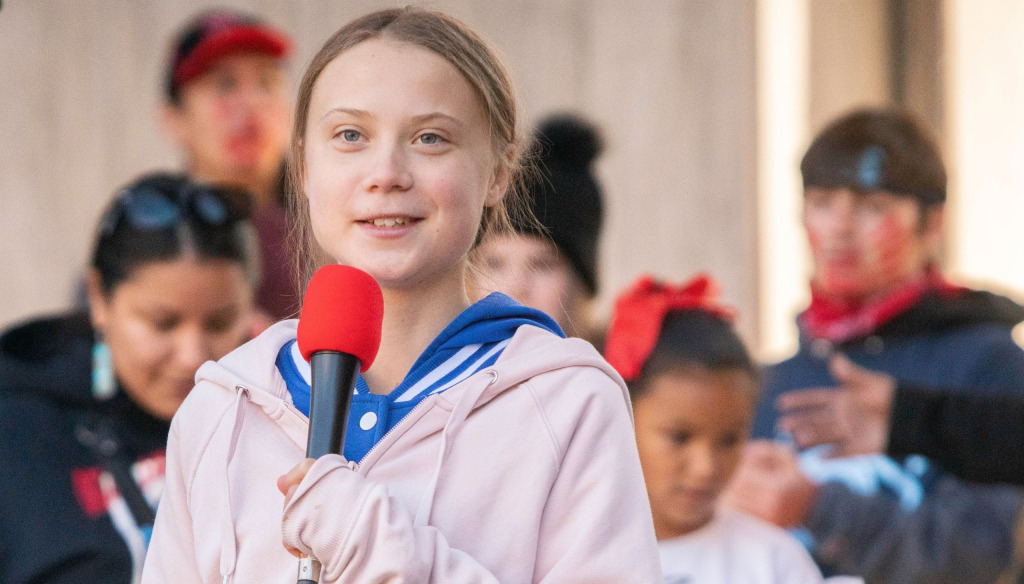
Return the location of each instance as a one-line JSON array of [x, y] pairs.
[[705, 105]]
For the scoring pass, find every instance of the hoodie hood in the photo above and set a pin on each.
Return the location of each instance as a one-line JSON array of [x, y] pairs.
[[51, 357]]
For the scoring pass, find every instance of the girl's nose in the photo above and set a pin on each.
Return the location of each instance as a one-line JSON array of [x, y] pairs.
[[388, 170]]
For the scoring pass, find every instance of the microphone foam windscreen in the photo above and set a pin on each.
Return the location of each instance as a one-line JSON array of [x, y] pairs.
[[343, 311]]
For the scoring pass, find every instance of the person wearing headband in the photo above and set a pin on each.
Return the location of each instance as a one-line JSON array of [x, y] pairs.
[[86, 399], [873, 209], [693, 387], [227, 107]]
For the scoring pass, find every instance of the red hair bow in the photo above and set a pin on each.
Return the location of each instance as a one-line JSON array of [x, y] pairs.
[[640, 311]]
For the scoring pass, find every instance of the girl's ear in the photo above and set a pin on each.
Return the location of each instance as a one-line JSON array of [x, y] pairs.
[[499, 186], [99, 310]]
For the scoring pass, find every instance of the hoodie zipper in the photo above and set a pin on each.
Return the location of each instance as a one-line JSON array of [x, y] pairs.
[[489, 371], [377, 446]]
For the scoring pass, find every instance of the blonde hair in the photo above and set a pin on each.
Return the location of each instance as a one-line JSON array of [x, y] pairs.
[[463, 49]]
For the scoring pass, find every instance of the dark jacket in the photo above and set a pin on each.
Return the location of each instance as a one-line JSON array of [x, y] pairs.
[[976, 437], [57, 523], [906, 520]]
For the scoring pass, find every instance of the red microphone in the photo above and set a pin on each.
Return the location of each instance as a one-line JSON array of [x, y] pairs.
[[339, 334]]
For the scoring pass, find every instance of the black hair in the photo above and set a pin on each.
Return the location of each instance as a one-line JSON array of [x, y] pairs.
[[123, 245], [694, 339], [876, 149]]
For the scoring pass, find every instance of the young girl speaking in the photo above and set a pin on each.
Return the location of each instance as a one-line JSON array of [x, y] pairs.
[[482, 445]]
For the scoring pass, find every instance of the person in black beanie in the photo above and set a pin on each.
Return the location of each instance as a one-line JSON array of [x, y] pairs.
[[551, 261]]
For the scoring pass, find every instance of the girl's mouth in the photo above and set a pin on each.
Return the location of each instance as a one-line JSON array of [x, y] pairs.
[[390, 221], [389, 226]]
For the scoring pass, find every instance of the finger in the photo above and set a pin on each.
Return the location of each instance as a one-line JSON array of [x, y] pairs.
[[844, 370], [809, 436], [294, 476], [812, 428], [805, 399], [289, 494]]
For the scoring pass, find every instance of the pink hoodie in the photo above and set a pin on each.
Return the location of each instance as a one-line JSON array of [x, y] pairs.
[[524, 472]]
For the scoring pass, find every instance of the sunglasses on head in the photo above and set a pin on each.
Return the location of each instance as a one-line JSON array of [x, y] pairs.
[[149, 208]]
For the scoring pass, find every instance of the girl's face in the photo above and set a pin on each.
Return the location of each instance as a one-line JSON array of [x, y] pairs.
[[168, 319], [690, 429], [399, 164]]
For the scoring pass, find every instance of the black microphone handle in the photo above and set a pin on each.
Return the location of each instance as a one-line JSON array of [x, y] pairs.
[[334, 379]]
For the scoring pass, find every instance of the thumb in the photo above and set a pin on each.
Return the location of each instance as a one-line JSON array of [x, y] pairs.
[[844, 370]]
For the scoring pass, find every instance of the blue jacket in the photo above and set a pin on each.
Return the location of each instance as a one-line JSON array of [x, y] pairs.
[[906, 521], [56, 524]]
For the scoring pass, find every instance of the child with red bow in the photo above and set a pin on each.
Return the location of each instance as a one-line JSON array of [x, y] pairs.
[[694, 387]]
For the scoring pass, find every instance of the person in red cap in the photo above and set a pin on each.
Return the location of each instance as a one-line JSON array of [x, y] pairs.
[[227, 107]]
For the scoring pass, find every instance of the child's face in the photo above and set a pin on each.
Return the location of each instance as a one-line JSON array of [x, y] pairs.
[[690, 429], [399, 164]]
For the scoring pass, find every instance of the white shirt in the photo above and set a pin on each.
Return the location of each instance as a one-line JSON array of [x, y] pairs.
[[736, 548]]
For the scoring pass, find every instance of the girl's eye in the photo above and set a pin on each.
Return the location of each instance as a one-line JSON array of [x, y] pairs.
[[430, 139], [350, 135], [680, 438]]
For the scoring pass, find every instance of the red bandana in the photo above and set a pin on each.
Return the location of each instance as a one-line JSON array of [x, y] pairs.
[[640, 311], [838, 321]]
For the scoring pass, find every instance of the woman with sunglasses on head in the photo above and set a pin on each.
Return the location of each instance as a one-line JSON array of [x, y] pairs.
[[86, 399]]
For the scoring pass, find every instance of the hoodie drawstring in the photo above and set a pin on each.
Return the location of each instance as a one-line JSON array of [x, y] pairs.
[[229, 548], [462, 410]]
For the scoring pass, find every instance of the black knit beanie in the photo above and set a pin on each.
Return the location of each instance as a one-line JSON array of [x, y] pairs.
[[564, 195]]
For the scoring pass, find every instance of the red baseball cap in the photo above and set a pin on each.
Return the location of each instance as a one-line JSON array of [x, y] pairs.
[[216, 33]]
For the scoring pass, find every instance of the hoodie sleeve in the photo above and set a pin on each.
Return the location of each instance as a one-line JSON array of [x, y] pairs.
[[371, 537]]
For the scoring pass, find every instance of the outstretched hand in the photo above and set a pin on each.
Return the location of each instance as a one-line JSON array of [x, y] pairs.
[[853, 418]]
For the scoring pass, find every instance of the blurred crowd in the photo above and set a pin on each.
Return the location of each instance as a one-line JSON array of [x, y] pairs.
[[884, 450]]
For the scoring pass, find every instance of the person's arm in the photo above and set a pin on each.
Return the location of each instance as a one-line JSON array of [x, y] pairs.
[[958, 533], [961, 533], [977, 437], [370, 536]]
